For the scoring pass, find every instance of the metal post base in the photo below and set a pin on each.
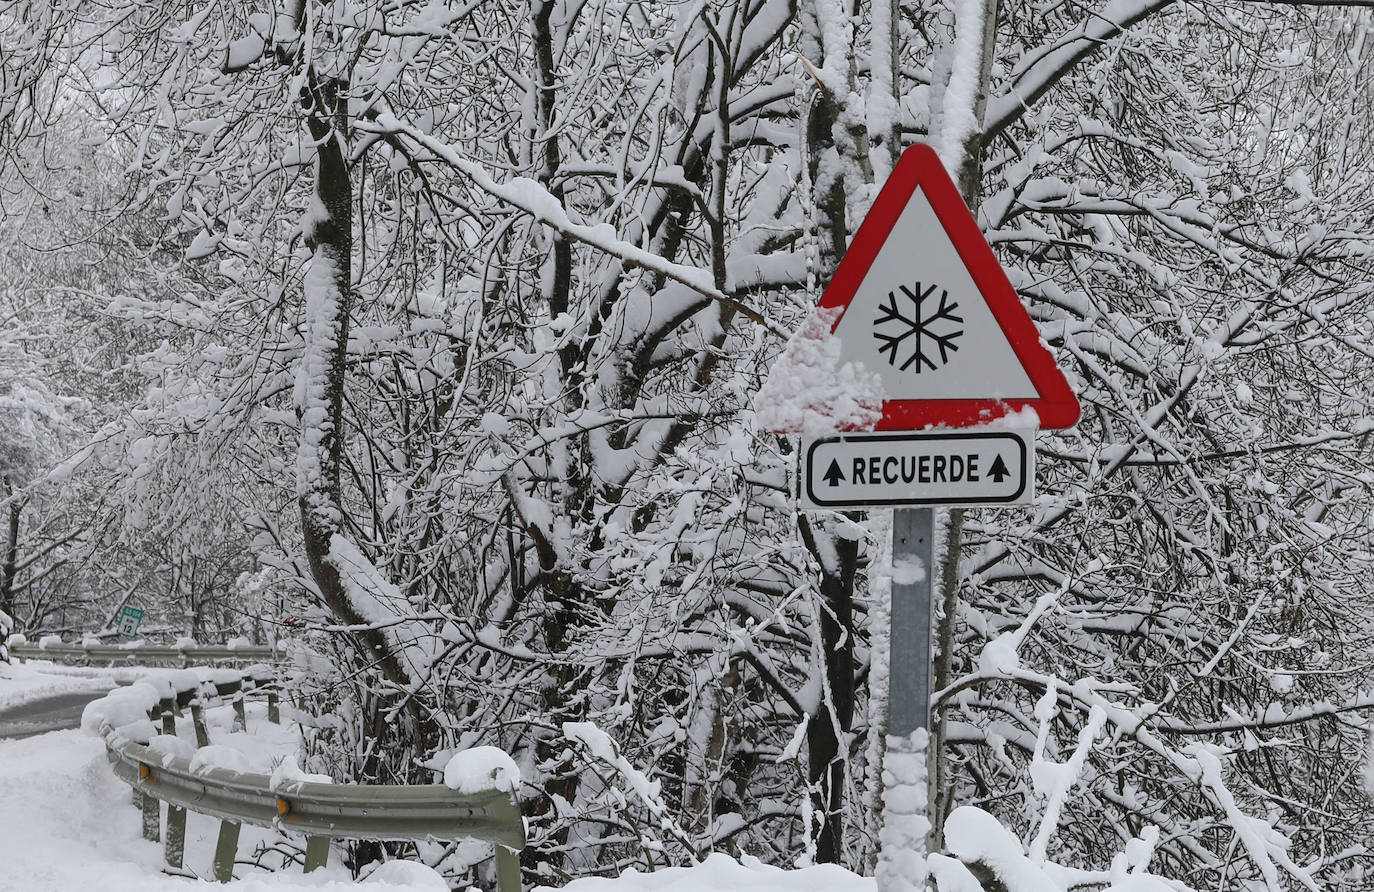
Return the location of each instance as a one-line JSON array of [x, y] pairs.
[[316, 852], [226, 849]]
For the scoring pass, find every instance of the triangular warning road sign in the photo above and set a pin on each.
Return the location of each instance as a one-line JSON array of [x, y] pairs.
[[920, 301]]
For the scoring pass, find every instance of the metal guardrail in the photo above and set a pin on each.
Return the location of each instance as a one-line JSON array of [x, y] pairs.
[[320, 811], [120, 653]]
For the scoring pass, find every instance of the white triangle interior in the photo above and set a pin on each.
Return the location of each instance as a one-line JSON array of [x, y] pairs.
[[978, 363]]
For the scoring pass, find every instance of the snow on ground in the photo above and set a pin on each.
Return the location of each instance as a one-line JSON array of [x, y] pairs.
[[22, 683], [721, 873], [67, 823]]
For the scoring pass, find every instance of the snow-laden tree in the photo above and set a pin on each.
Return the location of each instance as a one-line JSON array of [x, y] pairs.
[[475, 302], [89, 364], [1174, 214]]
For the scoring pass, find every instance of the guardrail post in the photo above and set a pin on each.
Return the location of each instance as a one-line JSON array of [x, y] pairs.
[[198, 719], [316, 852], [151, 817], [225, 850], [240, 716], [273, 711], [175, 846], [507, 869]]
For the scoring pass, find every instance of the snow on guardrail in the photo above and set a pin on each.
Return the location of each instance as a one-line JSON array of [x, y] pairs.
[[476, 801], [185, 651]]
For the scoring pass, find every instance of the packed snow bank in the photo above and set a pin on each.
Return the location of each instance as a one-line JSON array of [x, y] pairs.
[[721, 873]]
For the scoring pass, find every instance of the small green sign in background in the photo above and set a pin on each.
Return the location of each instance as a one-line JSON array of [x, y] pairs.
[[129, 618]]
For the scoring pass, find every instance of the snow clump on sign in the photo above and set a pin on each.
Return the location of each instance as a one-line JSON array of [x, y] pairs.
[[809, 390], [480, 769]]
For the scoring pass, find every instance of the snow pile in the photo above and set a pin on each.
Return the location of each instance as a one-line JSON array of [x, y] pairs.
[[138, 731], [170, 747], [217, 757], [809, 391], [287, 776], [407, 875], [120, 707], [481, 768]]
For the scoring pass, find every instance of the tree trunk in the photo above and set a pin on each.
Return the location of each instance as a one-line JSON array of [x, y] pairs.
[[971, 187], [328, 302], [827, 733], [9, 569]]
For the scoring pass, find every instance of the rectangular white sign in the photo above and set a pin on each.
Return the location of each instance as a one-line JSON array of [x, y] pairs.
[[884, 470]]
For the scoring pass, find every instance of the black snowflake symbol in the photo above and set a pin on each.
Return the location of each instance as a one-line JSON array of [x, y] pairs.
[[932, 328]]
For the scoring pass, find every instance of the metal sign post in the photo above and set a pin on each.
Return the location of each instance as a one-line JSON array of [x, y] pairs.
[[913, 542], [902, 838]]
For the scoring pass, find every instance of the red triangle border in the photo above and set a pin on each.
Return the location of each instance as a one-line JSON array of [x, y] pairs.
[[920, 168]]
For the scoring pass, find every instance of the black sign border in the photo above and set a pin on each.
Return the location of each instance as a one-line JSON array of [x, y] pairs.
[[916, 435]]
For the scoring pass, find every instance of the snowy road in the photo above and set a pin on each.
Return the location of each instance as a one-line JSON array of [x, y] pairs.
[[54, 713]]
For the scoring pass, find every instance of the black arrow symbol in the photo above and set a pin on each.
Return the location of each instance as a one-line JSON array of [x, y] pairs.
[[998, 470], [833, 475]]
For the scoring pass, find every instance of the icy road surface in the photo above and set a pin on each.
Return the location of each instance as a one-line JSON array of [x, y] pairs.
[[53, 713]]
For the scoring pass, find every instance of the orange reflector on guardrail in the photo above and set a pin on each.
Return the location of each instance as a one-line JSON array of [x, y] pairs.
[[144, 772], [283, 807]]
